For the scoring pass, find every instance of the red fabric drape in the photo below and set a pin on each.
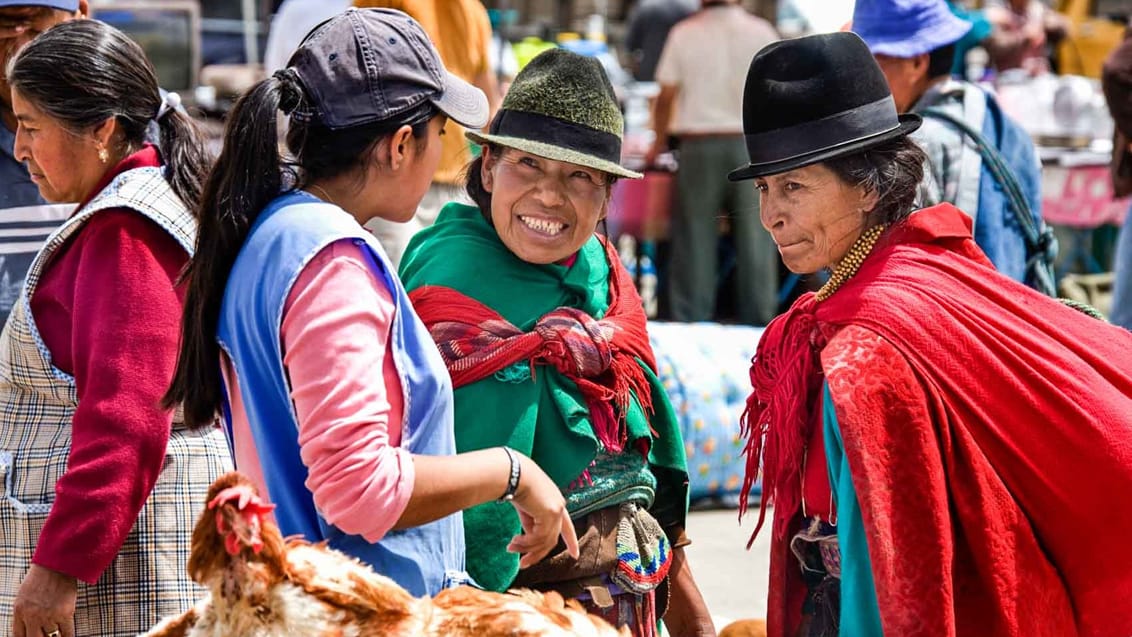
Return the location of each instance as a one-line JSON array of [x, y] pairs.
[[600, 356], [1030, 405]]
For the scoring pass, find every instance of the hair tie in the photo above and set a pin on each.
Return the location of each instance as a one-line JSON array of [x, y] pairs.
[[171, 103], [291, 92]]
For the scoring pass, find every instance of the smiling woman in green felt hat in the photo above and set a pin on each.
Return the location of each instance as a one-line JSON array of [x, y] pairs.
[[544, 335]]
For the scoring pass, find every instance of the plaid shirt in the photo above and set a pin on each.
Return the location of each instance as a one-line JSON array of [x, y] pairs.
[[147, 581]]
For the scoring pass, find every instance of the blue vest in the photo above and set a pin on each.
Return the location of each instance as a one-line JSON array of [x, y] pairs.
[[286, 236], [26, 221]]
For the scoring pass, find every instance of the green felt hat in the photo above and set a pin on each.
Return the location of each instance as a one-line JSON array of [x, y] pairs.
[[562, 107]]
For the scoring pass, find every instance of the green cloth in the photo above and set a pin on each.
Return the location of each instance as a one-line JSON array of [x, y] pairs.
[[860, 611], [544, 416]]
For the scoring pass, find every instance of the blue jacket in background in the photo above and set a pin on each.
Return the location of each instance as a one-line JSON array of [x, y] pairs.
[[26, 220], [956, 173]]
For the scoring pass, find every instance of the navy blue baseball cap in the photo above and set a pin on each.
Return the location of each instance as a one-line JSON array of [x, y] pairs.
[[62, 5], [370, 65]]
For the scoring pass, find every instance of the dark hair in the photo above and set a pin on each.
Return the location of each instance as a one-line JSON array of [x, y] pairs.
[[247, 176], [893, 170], [83, 72], [473, 184], [941, 61]]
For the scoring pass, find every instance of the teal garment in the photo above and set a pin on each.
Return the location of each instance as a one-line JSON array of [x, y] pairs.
[[980, 30], [860, 612]]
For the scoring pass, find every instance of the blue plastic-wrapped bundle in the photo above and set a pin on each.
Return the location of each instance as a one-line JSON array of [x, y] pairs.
[[705, 369]]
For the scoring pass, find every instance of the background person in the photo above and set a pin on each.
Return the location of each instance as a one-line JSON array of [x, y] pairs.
[[647, 30], [1116, 81], [1022, 33], [25, 218], [701, 88], [913, 41]]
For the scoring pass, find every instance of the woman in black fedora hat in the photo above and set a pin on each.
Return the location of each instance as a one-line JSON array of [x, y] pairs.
[[545, 338], [947, 451]]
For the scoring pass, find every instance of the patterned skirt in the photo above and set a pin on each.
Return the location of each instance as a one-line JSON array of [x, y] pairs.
[[637, 612], [819, 555]]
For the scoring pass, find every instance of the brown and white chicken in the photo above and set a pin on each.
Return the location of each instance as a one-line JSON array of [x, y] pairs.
[[261, 585]]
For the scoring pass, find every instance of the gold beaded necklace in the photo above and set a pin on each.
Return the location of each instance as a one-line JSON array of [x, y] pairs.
[[851, 262]]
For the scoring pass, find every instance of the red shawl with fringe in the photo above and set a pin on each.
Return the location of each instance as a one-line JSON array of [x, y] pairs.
[[600, 356], [1026, 403]]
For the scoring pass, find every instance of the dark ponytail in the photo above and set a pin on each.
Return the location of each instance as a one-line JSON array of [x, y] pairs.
[[182, 147], [83, 72], [247, 176]]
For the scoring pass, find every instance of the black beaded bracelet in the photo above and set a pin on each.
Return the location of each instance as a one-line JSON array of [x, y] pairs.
[[513, 477]]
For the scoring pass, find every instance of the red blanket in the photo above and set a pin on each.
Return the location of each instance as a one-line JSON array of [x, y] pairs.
[[600, 356], [1026, 403]]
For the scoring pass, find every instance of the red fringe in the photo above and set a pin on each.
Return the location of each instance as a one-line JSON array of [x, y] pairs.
[[777, 419], [608, 394], [608, 428]]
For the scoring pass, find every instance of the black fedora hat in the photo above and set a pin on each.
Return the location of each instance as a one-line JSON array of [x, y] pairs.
[[814, 98]]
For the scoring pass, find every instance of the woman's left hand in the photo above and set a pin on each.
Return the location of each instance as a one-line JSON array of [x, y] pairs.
[[45, 604]]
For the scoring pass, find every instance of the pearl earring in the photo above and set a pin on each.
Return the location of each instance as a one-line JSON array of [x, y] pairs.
[[103, 155]]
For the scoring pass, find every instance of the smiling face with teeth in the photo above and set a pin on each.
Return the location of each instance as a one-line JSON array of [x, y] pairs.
[[543, 210]]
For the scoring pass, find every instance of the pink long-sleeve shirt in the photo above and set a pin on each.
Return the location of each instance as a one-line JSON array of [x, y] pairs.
[[346, 392]]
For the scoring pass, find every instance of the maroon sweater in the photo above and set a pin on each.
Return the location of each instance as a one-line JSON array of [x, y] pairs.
[[110, 315]]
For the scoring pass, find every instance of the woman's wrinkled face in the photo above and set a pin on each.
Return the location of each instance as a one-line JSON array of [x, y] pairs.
[[813, 215], [543, 210], [64, 165]]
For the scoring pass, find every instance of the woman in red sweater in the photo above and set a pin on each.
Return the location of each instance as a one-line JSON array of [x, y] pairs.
[[101, 482]]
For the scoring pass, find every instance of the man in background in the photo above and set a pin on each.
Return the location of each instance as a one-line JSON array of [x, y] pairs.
[[1024, 31], [461, 31], [648, 28], [25, 218], [701, 75], [913, 41]]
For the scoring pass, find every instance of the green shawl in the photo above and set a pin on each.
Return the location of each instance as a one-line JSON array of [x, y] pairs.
[[545, 416]]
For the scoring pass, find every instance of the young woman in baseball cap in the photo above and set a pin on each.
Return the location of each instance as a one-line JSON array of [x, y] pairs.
[[336, 400]]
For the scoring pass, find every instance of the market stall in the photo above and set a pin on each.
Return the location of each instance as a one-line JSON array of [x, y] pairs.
[[1069, 122], [1077, 200]]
